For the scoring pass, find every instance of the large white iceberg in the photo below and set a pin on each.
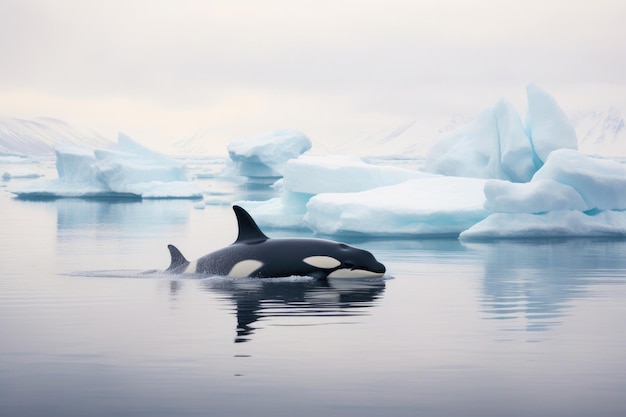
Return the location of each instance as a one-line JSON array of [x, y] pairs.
[[558, 223], [517, 159], [265, 155], [571, 195], [340, 174], [127, 169], [600, 182], [310, 175], [426, 206], [549, 128], [499, 145], [532, 197]]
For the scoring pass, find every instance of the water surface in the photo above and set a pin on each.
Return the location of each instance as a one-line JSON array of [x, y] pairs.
[[89, 325]]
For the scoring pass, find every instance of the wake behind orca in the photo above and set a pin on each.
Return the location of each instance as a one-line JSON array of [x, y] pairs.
[[255, 255]]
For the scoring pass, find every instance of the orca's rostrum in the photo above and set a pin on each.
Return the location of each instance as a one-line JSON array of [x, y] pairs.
[[255, 255]]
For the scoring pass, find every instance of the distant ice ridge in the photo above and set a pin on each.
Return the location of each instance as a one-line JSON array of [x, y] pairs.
[[126, 169], [601, 132], [504, 179], [265, 155], [40, 136], [15, 167], [20, 174]]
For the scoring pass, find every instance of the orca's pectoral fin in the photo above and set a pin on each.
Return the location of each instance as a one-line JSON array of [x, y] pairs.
[[178, 262], [319, 275]]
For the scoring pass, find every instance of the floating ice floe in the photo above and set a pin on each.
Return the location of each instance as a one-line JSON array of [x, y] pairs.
[[127, 169], [9, 175], [310, 175], [265, 155], [426, 206], [571, 195], [553, 224]]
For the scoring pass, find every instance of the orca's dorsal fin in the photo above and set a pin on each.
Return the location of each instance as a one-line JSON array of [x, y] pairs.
[[249, 232], [178, 263]]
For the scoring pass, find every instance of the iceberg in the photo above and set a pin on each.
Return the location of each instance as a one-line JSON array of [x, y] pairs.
[[341, 173], [469, 153], [9, 175], [554, 224], [127, 169], [571, 195], [516, 156], [500, 177], [311, 175], [425, 206], [549, 128], [265, 155], [600, 182], [533, 197], [498, 145]]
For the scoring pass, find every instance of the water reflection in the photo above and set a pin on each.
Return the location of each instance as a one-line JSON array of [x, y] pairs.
[[260, 299], [529, 285], [81, 213]]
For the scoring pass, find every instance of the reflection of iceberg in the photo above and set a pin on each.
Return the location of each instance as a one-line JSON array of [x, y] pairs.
[[298, 297], [529, 285], [135, 215]]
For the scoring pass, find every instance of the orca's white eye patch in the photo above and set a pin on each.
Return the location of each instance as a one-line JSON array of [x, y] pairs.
[[243, 269], [324, 262]]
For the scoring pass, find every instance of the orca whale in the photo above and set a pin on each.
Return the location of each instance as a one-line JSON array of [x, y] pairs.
[[255, 255]]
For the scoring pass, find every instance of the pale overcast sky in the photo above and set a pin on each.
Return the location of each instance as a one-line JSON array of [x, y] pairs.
[[162, 70]]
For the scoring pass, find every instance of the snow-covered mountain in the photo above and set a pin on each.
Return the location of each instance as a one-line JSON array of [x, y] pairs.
[[601, 132], [38, 137], [406, 139], [200, 143]]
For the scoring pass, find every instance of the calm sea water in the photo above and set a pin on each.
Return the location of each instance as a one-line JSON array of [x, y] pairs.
[[89, 326]]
